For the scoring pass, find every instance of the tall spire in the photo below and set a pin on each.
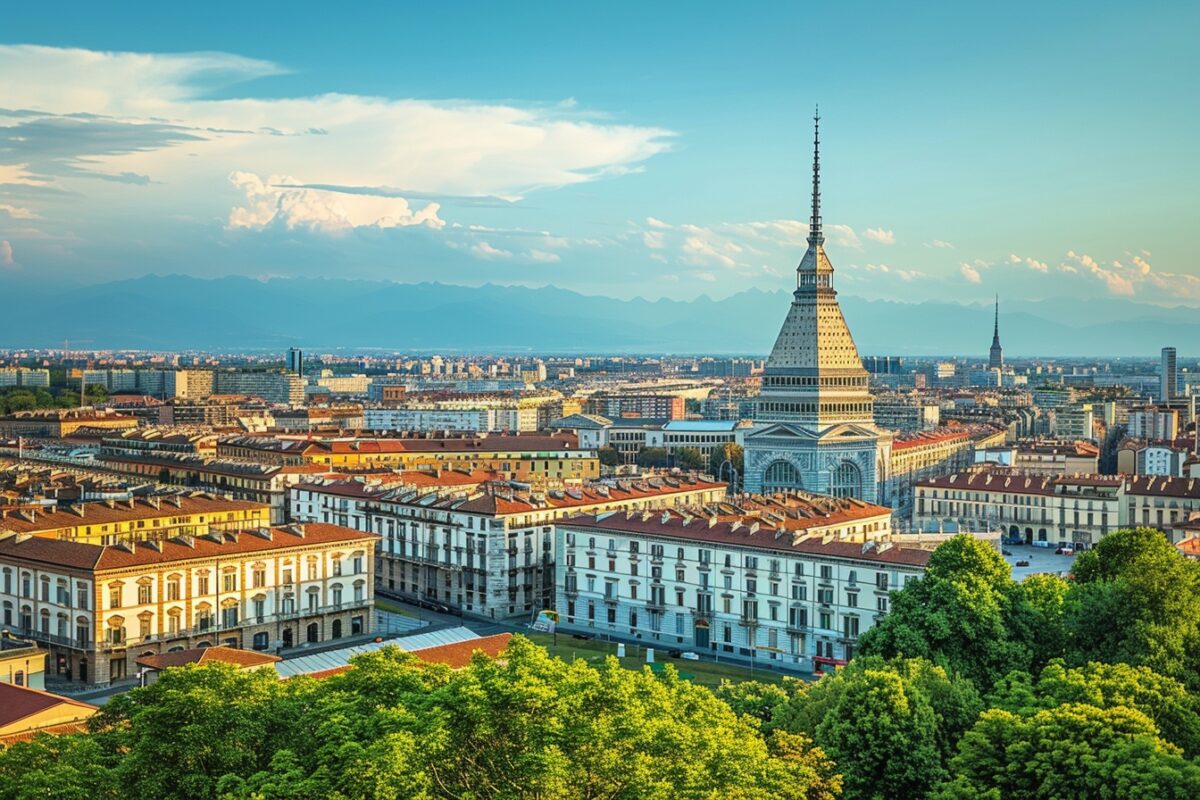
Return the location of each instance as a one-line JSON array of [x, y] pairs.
[[815, 235], [996, 354]]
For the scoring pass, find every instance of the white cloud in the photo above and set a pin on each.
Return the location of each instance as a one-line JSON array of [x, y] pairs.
[[1142, 265], [268, 203], [969, 273], [654, 240], [707, 277], [1115, 282], [6, 254], [16, 212], [150, 119], [938, 243], [880, 235], [656, 223], [485, 250], [1032, 263], [543, 257]]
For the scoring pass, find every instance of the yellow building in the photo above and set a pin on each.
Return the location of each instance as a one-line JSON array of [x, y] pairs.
[[22, 663], [141, 518], [97, 609], [522, 457], [26, 712]]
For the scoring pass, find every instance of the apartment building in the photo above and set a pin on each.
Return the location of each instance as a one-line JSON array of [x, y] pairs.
[[1076, 510], [644, 405], [155, 517], [487, 552], [794, 586], [1057, 457], [1061, 510], [97, 608], [260, 483], [19, 376], [55, 423]]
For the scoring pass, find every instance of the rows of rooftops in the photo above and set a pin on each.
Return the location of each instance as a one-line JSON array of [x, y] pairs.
[[31, 518], [79, 555], [946, 433], [1001, 479], [61, 414], [410, 441], [512, 497], [801, 531]]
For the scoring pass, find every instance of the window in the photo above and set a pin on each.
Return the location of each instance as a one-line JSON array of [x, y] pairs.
[[173, 589], [337, 567], [114, 597], [258, 578], [202, 584], [229, 582], [144, 594]]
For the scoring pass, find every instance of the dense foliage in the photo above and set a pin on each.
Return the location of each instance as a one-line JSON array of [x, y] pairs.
[[979, 686], [23, 398], [527, 725], [974, 686]]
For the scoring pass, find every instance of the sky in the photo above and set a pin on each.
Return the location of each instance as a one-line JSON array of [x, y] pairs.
[[1035, 150]]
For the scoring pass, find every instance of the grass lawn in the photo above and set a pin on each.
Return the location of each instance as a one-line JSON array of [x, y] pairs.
[[595, 651]]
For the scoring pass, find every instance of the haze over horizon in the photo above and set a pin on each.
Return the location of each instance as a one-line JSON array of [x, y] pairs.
[[655, 159]]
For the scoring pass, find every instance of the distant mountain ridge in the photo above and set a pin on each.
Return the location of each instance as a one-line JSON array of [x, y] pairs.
[[176, 312]]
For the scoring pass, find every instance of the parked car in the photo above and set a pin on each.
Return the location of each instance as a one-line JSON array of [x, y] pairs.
[[1024, 562], [1006, 552]]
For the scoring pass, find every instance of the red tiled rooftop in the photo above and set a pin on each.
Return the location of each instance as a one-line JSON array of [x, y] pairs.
[[19, 702], [100, 557], [204, 655]]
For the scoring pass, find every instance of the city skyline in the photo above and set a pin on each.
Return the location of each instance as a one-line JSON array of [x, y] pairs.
[[641, 165]]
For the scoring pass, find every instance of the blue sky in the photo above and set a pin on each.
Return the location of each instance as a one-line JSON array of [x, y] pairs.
[[1035, 150]]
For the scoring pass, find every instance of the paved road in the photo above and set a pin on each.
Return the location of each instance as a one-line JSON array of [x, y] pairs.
[[1041, 560]]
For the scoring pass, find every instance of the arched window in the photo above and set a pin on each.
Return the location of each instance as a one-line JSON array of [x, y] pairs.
[[847, 480], [781, 475]]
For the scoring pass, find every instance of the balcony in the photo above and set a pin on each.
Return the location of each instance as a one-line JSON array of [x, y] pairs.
[[747, 621], [611, 599], [800, 629]]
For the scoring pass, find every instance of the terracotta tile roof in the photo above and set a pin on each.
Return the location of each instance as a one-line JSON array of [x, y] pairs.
[[455, 655], [933, 437], [53, 730], [458, 654], [205, 655], [1164, 487], [91, 556], [19, 702], [51, 518], [765, 534]]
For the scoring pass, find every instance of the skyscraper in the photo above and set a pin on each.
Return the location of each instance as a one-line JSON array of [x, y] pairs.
[[996, 356], [295, 360], [816, 429], [1169, 381]]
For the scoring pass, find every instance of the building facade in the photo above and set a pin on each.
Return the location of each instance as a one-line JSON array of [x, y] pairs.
[[97, 608], [485, 553], [796, 592], [815, 424]]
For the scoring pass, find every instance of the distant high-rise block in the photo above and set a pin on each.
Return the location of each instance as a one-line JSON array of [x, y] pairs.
[[1169, 382], [295, 360]]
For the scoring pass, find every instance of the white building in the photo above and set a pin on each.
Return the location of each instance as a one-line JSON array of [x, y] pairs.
[[796, 590], [487, 553]]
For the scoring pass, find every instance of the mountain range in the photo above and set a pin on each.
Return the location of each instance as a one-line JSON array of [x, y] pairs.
[[176, 312]]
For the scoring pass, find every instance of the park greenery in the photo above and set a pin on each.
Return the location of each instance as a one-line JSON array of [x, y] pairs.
[[29, 398], [974, 686]]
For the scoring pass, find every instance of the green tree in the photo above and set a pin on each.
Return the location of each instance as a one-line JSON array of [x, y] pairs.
[[1174, 710], [689, 458], [1069, 752], [957, 615], [882, 734], [609, 456], [57, 766], [1136, 600], [653, 457]]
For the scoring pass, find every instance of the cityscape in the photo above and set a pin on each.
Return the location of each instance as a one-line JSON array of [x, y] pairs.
[[360, 444]]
